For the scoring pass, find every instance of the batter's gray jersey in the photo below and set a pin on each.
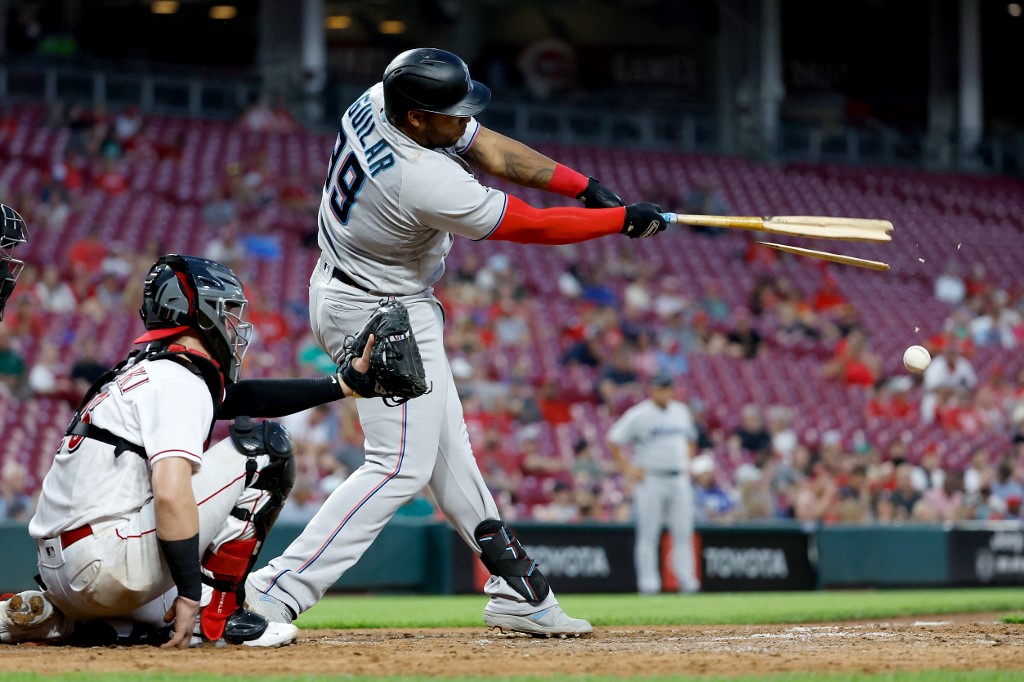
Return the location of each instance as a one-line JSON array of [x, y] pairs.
[[390, 207], [660, 438]]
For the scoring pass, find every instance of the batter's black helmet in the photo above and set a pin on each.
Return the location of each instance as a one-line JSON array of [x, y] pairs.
[[14, 233], [437, 81], [184, 293]]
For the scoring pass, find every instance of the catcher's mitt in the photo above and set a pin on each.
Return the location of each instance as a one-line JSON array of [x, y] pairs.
[[396, 369]]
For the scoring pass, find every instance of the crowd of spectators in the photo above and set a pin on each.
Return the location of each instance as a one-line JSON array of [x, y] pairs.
[[534, 430]]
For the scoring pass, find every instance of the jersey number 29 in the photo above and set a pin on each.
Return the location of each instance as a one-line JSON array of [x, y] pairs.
[[347, 183]]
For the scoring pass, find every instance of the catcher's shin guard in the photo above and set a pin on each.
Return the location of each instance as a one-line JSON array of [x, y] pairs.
[[505, 557], [229, 565]]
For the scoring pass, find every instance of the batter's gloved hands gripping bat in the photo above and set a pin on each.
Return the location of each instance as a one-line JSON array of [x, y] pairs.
[[396, 369], [597, 195], [643, 220]]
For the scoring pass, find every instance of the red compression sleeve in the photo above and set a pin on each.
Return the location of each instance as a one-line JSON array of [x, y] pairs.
[[525, 224], [567, 182]]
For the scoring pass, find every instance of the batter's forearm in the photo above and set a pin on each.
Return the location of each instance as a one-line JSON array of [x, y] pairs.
[[525, 224], [505, 158]]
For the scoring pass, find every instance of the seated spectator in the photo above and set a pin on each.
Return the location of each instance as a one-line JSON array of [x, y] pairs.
[[46, 379], [950, 373], [743, 340], [219, 210], [978, 282], [828, 296], [949, 286], [853, 497], [887, 403], [712, 503], [948, 499], [12, 364], [1006, 486], [561, 508], [904, 495], [853, 362], [54, 294], [86, 254], [112, 177], [88, 366], [751, 435], [713, 302], [979, 472], [616, 376], [784, 438], [815, 498], [929, 474], [15, 499]]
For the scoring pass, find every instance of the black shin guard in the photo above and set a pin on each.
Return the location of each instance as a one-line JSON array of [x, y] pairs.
[[505, 557]]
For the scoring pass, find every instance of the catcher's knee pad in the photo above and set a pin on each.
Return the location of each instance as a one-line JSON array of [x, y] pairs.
[[276, 477], [505, 557]]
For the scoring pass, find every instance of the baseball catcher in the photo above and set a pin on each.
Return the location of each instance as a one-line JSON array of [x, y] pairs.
[[145, 532]]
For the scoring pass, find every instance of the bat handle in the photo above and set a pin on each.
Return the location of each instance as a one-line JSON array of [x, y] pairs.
[[670, 217]]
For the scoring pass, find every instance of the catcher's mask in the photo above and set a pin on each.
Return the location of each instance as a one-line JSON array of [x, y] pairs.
[[14, 233], [187, 293]]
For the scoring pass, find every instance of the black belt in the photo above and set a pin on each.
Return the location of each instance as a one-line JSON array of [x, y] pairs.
[[665, 473], [342, 277]]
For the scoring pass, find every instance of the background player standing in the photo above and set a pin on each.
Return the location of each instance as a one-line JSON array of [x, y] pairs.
[[399, 189], [135, 513], [663, 436]]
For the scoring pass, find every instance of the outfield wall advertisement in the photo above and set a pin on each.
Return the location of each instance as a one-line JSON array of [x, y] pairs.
[[600, 559]]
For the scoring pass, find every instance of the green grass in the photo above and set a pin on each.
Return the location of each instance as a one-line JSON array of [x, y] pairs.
[[922, 676], [701, 609]]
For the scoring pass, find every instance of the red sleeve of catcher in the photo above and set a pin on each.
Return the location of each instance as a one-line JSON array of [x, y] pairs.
[[525, 224]]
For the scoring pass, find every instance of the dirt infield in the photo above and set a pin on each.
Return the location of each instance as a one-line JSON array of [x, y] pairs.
[[975, 642]]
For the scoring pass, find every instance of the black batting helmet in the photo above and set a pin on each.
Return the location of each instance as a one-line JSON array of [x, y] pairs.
[[13, 233], [184, 293], [433, 80]]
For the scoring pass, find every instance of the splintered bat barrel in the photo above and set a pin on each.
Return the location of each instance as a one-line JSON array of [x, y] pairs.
[[816, 227]]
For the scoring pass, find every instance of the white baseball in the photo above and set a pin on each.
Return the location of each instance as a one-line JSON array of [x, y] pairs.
[[916, 359]]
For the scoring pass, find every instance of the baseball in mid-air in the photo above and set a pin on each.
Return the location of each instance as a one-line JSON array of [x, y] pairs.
[[916, 359]]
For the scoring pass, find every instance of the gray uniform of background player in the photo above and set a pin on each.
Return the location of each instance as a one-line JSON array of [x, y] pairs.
[[663, 441], [389, 230]]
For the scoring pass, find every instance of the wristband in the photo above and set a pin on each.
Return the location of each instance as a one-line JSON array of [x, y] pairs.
[[182, 557], [567, 182]]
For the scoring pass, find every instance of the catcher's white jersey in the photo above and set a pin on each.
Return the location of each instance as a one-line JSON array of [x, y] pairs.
[[390, 207], [158, 404], [660, 438]]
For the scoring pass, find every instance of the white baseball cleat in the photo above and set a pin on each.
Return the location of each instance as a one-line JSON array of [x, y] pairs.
[[549, 622], [30, 617], [246, 628], [277, 634], [271, 608]]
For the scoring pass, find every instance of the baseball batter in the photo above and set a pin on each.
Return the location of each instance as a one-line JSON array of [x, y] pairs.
[[136, 513], [399, 190], [12, 233], [663, 436]]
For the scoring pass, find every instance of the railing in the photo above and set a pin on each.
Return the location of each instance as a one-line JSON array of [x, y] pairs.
[[687, 128]]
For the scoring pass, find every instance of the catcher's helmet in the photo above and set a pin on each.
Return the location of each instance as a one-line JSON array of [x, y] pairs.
[[184, 293], [433, 80], [14, 233]]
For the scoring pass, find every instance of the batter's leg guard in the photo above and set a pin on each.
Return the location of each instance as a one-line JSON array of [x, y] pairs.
[[505, 557]]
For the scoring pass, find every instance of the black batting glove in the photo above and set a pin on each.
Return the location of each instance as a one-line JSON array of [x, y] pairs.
[[643, 220], [597, 195]]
